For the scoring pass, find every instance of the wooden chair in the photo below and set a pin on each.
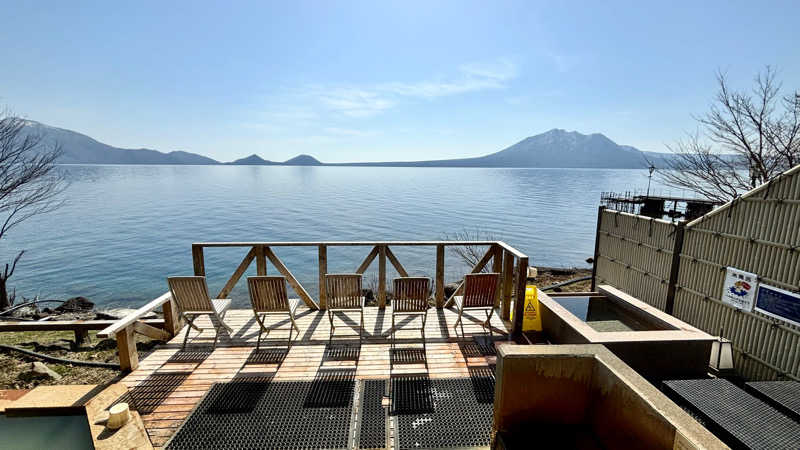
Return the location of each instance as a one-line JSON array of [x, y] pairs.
[[268, 297], [191, 295], [410, 299], [480, 292], [344, 294]]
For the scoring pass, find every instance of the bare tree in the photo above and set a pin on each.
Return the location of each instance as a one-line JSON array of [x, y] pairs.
[[29, 184], [470, 254], [746, 139]]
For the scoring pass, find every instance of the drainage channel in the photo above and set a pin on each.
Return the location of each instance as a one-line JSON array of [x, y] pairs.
[[337, 411]]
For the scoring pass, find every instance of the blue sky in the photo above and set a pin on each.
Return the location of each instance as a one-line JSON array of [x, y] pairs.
[[371, 80]]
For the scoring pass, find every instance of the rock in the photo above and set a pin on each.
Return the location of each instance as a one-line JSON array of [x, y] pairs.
[[39, 371], [76, 304], [118, 313], [449, 288]]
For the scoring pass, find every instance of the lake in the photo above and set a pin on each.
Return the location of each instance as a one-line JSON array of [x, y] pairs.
[[124, 229]]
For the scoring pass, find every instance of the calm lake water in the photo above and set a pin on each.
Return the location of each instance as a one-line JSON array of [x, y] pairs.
[[125, 228]]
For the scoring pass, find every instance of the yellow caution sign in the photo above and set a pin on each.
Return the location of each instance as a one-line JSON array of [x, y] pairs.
[[531, 319]]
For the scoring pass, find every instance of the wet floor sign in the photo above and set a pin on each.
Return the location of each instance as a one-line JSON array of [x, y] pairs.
[[531, 319]]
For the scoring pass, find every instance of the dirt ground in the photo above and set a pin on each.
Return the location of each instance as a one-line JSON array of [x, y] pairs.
[[551, 275], [58, 343]]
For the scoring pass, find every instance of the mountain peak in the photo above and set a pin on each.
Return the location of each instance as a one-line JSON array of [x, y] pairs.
[[303, 160]]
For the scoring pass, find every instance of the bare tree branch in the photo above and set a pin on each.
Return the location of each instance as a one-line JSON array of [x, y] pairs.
[[30, 182], [757, 132]]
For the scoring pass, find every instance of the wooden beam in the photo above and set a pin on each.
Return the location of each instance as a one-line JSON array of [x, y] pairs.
[[128, 320], [81, 336], [600, 211], [198, 261], [248, 258], [382, 276], [151, 332], [126, 347], [173, 323], [508, 285], [367, 261], [261, 261], [323, 270], [497, 267], [439, 276], [66, 325], [478, 267], [519, 301], [298, 288], [397, 266]]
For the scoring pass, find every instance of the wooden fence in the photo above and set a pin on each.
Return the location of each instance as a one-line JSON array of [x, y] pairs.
[[504, 259], [680, 269]]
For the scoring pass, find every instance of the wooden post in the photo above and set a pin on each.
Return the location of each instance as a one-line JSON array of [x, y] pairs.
[[519, 301], [172, 319], [597, 246], [508, 284], [497, 267], [81, 336], [323, 270], [439, 276], [261, 261], [197, 260], [382, 276], [677, 248], [126, 347]]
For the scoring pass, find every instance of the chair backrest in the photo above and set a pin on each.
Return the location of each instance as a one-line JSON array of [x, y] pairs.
[[411, 294], [343, 290], [190, 293], [480, 289], [268, 294]]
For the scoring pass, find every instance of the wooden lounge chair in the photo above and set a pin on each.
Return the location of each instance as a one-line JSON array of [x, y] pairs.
[[410, 298], [268, 297], [344, 294], [191, 295], [480, 292]]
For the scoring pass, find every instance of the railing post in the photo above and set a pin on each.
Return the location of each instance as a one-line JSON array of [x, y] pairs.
[[323, 270], [261, 261], [382, 276], [172, 319], [677, 248], [508, 284], [497, 267], [519, 301], [197, 260], [597, 246], [439, 276], [126, 347]]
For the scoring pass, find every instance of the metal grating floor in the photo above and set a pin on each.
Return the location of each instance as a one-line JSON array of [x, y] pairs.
[[372, 420], [443, 413], [783, 395], [259, 413], [737, 417], [335, 411]]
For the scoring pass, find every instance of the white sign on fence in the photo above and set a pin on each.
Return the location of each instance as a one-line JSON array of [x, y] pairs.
[[739, 288]]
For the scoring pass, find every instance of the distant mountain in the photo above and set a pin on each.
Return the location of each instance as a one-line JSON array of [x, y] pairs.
[[81, 149], [252, 160], [555, 148], [302, 160]]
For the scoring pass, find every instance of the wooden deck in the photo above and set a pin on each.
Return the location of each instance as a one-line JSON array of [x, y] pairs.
[[169, 382]]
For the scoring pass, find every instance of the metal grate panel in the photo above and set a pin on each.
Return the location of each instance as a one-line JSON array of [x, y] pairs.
[[372, 423], [734, 415], [443, 413], [259, 413], [783, 395]]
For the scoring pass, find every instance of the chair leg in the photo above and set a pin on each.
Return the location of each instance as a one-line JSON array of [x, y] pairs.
[[488, 323], [424, 345], [294, 325], [188, 329], [394, 330], [361, 326], [216, 335], [330, 319]]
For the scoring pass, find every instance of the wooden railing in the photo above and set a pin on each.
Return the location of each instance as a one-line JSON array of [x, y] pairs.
[[505, 260]]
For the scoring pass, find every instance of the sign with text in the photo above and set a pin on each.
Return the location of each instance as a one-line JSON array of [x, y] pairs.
[[778, 303], [739, 289]]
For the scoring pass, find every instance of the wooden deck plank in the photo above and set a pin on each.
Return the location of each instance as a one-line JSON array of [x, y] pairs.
[[234, 357]]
